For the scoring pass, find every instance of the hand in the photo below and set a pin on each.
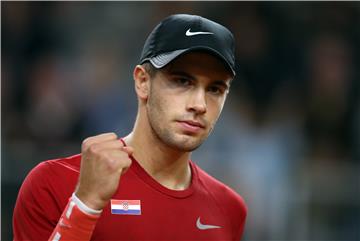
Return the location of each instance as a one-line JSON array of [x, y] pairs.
[[104, 160]]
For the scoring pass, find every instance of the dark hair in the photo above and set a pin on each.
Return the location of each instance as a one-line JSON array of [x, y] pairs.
[[150, 69]]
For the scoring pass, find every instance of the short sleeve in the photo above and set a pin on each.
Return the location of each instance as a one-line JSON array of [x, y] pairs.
[[36, 211]]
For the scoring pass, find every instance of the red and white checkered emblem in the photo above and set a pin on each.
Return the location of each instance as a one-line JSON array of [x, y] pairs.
[[125, 206]]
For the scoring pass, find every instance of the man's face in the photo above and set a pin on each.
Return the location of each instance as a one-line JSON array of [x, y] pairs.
[[186, 99]]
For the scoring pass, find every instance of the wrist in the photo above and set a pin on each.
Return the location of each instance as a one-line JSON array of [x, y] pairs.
[[90, 202], [83, 207]]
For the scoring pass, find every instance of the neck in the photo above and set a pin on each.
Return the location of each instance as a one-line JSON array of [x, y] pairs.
[[167, 166]]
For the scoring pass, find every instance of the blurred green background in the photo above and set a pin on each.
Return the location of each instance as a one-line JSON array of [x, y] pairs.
[[289, 137]]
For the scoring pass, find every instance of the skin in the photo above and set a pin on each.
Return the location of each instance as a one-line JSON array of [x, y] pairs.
[[178, 108]]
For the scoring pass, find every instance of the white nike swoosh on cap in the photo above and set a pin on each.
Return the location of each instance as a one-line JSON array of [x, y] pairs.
[[189, 33], [201, 226]]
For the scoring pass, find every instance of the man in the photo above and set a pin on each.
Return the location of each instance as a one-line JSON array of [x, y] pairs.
[[144, 186]]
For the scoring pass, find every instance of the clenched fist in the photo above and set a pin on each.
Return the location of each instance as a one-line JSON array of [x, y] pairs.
[[104, 159]]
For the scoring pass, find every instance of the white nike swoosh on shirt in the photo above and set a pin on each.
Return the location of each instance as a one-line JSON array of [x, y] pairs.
[[201, 226], [189, 33]]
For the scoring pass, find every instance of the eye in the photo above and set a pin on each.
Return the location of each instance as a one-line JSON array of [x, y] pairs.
[[216, 90], [181, 81]]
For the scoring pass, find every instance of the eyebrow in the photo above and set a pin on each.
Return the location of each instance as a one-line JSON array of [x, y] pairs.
[[182, 73], [222, 83]]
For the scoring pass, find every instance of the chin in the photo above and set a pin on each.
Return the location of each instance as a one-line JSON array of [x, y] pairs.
[[186, 143], [180, 141]]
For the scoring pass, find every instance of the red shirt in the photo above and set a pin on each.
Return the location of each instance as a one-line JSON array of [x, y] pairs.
[[165, 214]]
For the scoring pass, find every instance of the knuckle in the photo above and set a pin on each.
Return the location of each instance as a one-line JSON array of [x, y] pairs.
[[114, 165], [111, 163], [113, 135], [93, 149], [85, 144]]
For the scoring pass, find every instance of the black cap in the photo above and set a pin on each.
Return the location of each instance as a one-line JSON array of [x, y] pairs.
[[182, 33]]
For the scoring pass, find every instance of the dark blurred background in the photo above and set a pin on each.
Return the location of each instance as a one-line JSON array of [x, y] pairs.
[[289, 137]]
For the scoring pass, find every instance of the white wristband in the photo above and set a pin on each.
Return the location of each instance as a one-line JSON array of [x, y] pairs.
[[82, 206]]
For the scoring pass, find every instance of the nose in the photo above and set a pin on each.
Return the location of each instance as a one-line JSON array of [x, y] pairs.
[[197, 101]]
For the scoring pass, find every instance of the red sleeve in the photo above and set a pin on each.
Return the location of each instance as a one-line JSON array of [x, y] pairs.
[[234, 208], [232, 204], [36, 211], [237, 210]]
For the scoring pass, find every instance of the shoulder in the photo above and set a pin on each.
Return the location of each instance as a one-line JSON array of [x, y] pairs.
[[55, 170], [48, 167], [43, 196], [69, 164], [51, 178], [219, 190], [230, 202]]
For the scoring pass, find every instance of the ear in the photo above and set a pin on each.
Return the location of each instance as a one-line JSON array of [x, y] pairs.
[[142, 82]]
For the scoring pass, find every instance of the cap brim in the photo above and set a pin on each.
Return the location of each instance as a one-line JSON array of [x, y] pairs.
[[162, 60]]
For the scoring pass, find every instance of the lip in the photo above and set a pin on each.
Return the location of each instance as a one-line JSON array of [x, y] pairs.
[[193, 123], [191, 126]]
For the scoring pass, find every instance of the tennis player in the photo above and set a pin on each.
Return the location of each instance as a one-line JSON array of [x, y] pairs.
[[144, 186]]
